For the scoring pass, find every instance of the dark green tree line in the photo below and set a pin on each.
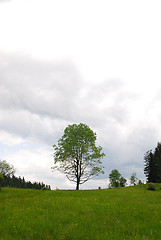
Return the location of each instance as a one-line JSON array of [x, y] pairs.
[[18, 182], [8, 179]]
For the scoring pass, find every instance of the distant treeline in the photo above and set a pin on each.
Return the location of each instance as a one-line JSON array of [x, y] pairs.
[[18, 182]]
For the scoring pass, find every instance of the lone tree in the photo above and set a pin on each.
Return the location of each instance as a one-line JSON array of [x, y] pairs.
[[77, 155]]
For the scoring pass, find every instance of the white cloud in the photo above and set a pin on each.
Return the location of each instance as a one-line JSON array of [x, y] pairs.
[[4, 1]]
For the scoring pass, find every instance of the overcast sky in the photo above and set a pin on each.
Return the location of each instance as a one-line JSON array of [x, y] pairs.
[[90, 61]]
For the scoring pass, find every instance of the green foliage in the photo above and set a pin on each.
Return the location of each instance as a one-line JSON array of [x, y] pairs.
[[1, 176], [123, 182], [114, 177], [151, 187], [77, 155], [116, 180], [94, 214], [6, 169], [152, 168], [133, 179], [140, 182]]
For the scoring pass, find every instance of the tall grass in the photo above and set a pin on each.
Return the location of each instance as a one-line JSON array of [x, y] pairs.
[[125, 213]]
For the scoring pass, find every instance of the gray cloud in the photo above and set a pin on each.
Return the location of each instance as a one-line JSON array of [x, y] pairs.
[[36, 95], [37, 86]]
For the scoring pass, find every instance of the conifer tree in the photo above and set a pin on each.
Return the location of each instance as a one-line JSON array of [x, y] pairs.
[[152, 168]]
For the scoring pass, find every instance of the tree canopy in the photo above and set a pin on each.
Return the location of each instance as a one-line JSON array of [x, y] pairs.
[[133, 178], [116, 180], [6, 169], [77, 155]]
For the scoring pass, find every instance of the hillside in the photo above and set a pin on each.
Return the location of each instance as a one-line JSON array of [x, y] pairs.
[[125, 213]]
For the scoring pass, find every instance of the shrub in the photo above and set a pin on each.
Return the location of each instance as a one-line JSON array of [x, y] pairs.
[[151, 187], [140, 182], [45, 188]]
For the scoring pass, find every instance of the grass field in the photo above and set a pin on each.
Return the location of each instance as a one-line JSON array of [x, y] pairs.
[[125, 213]]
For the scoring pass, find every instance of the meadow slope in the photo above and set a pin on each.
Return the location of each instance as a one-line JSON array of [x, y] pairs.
[[124, 213]]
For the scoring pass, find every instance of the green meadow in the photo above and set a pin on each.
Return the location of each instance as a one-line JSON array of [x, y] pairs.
[[121, 213]]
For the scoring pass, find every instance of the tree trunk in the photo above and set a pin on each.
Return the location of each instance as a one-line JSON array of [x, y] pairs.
[[77, 175], [77, 186]]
